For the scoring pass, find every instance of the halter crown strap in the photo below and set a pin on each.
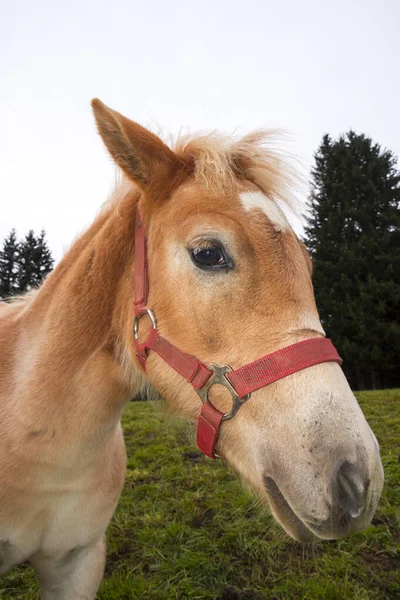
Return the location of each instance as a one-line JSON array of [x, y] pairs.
[[240, 382], [141, 282]]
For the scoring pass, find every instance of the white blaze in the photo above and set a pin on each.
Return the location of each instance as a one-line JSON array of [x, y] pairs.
[[251, 200]]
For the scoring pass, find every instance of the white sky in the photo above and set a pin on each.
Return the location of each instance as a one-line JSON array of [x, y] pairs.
[[308, 66]]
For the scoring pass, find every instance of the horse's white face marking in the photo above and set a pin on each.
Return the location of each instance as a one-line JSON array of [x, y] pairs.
[[251, 200]]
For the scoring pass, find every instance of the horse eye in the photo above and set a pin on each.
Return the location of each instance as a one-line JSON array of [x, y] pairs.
[[209, 257]]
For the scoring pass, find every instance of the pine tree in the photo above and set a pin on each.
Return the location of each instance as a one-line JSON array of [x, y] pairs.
[[35, 261], [45, 260], [353, 235], [9, 266]]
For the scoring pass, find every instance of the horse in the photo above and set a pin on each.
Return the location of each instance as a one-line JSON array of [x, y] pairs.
[[190, 279]]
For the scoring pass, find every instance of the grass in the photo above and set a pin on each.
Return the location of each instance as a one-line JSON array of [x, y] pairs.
[[186, 529]]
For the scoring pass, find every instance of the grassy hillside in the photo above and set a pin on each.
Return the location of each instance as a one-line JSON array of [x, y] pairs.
[[186, 529]]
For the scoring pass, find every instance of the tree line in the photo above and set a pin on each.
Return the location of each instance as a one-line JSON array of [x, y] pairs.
[[23, 263], [353, 236]]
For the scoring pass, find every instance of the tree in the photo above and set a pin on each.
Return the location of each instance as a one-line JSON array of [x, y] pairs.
[[35, 261], [9, 256], [353, 235]]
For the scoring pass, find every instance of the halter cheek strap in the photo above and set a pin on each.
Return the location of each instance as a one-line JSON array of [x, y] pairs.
[[240, 382]]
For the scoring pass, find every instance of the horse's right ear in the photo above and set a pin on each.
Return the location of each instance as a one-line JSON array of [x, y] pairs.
[[139, 153]]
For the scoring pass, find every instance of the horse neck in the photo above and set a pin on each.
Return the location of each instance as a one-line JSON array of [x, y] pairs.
[[73, 331]]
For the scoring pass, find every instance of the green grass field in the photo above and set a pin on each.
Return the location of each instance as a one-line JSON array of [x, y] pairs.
[[186, 529]]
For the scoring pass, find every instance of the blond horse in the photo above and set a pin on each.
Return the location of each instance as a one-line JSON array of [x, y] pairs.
[[229, 282]]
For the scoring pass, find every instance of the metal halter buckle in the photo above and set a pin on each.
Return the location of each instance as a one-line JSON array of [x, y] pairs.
[[150, 314], [218, 378]]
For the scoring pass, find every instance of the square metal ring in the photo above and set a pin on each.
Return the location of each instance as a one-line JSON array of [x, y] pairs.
[[218, 378]]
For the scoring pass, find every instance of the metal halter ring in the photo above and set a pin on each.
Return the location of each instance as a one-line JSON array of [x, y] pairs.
[[150, 314], [218, 377]]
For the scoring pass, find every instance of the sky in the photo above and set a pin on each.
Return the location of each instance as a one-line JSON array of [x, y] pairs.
[[309, 67]]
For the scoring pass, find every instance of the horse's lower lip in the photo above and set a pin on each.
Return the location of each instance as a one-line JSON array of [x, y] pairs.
[[291, 522], [305, 530]]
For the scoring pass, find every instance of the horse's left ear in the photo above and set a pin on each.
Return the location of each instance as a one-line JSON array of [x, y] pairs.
[[139, 153]]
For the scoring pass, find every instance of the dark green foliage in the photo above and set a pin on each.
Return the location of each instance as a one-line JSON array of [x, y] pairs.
[[23, 265], [186, 529], [9, 256], [35, 261], [353, 235]]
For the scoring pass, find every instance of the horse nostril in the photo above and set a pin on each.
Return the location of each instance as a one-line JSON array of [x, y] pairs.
[[349, 489]]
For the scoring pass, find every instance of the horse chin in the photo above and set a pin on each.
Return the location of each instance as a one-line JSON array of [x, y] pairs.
[[285, 516]]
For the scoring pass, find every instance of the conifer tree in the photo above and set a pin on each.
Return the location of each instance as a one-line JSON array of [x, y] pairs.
[[9, 266], [353, 235], [45, 260], [35, 261]]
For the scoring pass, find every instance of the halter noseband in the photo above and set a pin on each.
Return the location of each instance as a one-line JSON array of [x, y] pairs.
[[240, 382]]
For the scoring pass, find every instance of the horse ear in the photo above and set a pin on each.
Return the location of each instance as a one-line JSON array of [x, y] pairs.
[[139, 153]]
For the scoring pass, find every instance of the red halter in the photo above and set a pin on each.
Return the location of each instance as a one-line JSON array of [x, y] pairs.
[[240, 382]]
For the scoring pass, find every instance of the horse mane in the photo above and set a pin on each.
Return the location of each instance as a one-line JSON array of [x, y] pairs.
[[220, 160]]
